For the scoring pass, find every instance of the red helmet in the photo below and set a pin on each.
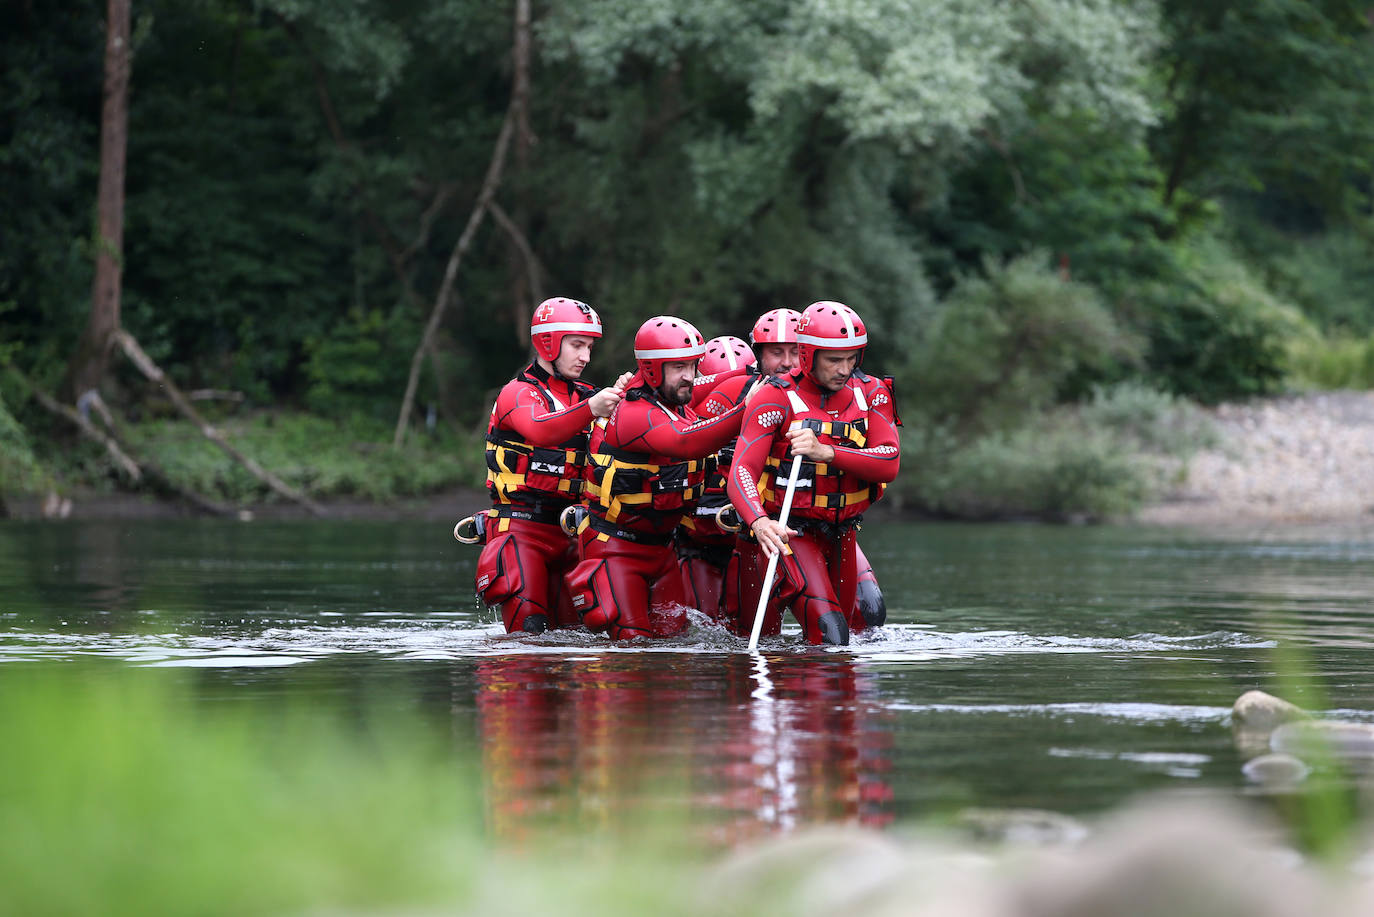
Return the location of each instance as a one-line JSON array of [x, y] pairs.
[[556, 318], [776, 326], [725, 353], [829, 325], [665, 339]]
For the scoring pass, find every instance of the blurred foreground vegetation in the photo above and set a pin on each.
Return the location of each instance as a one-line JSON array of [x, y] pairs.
[[123, 792], [1039, 209]]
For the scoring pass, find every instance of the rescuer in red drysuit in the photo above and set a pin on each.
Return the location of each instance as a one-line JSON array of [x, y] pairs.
[[774, 339], [704, 548], [647, 468], [708, 550], [536, 452], [828, 415]]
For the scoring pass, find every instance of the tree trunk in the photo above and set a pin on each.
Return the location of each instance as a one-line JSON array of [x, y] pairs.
[[92, 356], [485, 198]]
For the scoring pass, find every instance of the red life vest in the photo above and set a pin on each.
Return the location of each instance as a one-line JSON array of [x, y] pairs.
[[823, 492], [524, 474], [640, 492]]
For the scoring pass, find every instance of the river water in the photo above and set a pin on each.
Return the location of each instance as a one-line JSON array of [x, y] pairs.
[[1066, 669]]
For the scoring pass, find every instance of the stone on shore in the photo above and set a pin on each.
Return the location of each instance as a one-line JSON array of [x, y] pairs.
[[1297, 459]]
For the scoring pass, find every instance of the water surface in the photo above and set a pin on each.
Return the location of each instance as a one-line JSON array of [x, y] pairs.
[[1027, 666]]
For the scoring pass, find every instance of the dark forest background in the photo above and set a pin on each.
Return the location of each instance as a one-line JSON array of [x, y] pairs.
[[1064, 222]]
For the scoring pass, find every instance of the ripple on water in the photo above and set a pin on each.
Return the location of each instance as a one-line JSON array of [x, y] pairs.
[[437, 638]]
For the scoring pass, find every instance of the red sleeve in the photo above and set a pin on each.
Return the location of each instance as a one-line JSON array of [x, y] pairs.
[[879, 460], [520, 407], [724, 396], [704, 386], [655, 429], [765, 415]]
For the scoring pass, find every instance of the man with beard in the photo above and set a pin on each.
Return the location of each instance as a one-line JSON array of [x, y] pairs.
[[536, 452], [843, 427], [707, 550], [704, 548], [774, 340], [647, 467]]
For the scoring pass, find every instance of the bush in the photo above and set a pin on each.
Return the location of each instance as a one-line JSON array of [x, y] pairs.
[[1049, 470], [1326, 270], [1148, 419], [358, 368], [323, 458], [1223, 334], [1320, 362], [1004, 344], [1089, 461], [19, 469]]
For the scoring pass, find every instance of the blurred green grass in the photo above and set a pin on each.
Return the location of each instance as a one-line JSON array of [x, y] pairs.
[[121, 794]]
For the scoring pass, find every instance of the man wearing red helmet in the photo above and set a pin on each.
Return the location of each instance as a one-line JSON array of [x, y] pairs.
[[826, 414], [703, 547], [774, 343], [536, 453], [707, 550], [648, 466]]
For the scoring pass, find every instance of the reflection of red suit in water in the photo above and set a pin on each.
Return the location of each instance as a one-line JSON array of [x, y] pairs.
[[820, 572], [536, 448], [819, 750], [564, 743], [647, 468]]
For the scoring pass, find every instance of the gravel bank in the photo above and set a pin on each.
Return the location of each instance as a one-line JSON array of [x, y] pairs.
[[1299, 459]]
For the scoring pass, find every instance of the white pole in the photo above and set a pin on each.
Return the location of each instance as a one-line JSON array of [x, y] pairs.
[[773, 561]]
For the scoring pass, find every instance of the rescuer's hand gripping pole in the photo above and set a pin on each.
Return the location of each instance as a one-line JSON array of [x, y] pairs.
[[773, 561]]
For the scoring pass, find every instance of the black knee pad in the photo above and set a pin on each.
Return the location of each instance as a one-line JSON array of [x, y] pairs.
[[834, 629], [872, 605]]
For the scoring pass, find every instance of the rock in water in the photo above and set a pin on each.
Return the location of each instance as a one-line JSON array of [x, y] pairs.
[[1350, 743], [1276, 771], [1257, 710], [1033, 827]]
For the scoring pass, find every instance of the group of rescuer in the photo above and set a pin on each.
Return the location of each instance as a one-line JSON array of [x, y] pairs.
[[621, 508]]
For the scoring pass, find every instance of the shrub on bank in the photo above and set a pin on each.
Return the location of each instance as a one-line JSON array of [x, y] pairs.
[[1323, 363], [19, 470], [322, 457], [1040, 471], [1101, 459]]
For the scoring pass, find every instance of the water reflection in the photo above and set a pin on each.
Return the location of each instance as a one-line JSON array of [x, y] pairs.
[[741, 745]]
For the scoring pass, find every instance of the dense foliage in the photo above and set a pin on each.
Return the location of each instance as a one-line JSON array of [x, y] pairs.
[[1023, 200]]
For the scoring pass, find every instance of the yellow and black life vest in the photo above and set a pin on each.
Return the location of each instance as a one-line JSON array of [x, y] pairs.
[[823, 491], [519, 472]]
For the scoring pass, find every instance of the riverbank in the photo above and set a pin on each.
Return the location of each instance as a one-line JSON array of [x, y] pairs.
[[446, 506], [1294, 460], [1288, 461]]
